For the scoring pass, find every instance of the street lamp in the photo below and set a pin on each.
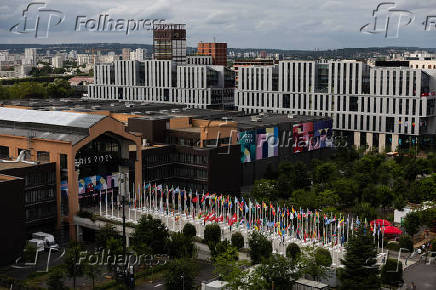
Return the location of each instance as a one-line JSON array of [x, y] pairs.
[[122, 191]]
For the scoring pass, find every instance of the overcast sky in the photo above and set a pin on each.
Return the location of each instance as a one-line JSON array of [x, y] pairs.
[[284, 24]]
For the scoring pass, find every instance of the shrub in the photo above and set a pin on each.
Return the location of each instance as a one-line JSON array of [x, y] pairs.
[[189, 230], [237, 240], [56, 279], [390, 275], [433, 245], [260, 248], [393, 246], [323, 257], [406, 242], [222, 248], [180, 274], [412, 222], [180, 246], [293, 251], [212, 234]]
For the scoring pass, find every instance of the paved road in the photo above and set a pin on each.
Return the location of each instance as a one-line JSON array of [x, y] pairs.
[[424, 276]]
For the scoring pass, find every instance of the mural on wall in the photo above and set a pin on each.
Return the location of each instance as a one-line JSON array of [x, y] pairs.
[[247, 140], [302, 135], [322, 135], [267, 143], [94, 184]]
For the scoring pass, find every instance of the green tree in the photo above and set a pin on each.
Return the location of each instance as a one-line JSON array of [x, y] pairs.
[[189, 230], [323, 257], [59, 88], [292, 176], [360, 270], [180, 246], [325, 173], [181, 274], [406, 242], [264, 189], [150, 234], [304, 198], [293, 251], [104, 234], [72, 262], [222, 247], [4, 93], [260, 247], [365, 210], [237, 240], [92, 271], [212, 234], [392, 273], [327, 198], [277, 272], [114, 246], [315, 263], [347, 190], [28, 90], [230, 269], [55, 279], [412, 222]]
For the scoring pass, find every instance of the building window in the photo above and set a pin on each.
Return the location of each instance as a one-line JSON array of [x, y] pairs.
[[4, 152], [43, 156], [26, 155]]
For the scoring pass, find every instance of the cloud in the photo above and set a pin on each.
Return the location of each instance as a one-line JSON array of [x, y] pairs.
[[297, 24]]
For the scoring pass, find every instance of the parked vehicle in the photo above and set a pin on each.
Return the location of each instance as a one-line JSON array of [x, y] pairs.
[[47, 239]]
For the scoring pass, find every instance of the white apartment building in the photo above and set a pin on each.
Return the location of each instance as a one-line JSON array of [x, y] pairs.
[[30, 56], [161, 81], [377, 107], [138, 54], [83, 59], [199, 59], [57, 61]]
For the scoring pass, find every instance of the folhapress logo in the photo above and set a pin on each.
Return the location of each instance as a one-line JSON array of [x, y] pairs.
[[37, 19], [388, 20]]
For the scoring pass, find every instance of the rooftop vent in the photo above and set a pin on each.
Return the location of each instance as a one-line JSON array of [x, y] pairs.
[[256, 119]]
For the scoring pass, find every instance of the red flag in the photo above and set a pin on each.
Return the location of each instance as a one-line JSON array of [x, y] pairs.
[[233, 219], [195, 199]]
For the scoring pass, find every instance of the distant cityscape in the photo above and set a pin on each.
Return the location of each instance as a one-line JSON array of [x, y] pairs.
[[112, 143]]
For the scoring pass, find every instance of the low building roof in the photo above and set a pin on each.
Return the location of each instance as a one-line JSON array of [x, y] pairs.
[[57, 118], [19, 164]]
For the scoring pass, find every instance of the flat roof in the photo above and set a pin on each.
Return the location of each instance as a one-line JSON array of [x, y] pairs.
[[188, 129], [4, 177], [269, 119], [57, 118], [13, 165], [41, 133]]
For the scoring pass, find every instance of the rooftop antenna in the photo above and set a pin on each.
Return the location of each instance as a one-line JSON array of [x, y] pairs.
[[214, 39]]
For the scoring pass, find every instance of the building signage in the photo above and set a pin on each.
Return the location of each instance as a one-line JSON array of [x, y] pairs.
[[94, 159]]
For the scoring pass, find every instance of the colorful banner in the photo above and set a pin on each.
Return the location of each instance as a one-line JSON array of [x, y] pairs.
[[302, 135], [97, 183], [267, 143], [247, 140], [322, 135]]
